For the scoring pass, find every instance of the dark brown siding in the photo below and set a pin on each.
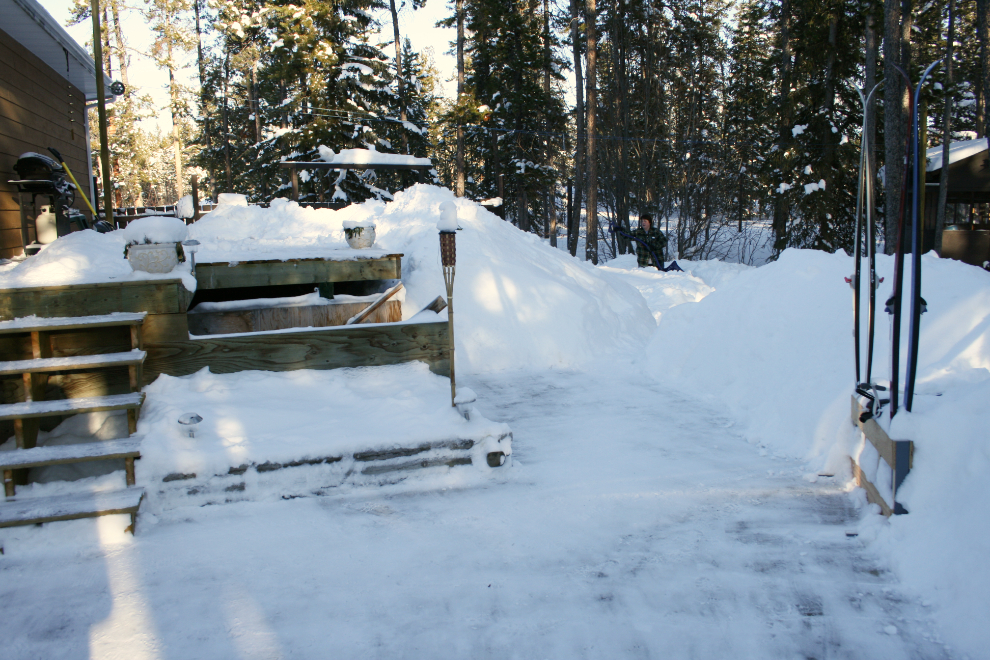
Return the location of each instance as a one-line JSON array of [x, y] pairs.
[[34, 115]]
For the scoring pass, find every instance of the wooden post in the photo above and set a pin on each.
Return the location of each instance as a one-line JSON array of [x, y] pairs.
[[129, 469], [295, 184], [194, 184], [8, 483], [101, 106]]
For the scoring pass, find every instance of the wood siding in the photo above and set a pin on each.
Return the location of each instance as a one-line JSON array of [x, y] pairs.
[[35, 106]]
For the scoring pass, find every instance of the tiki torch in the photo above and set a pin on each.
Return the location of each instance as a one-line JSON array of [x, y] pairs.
[[448, 258]]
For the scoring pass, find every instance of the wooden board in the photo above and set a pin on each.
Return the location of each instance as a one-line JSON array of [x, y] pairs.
[[70, 323], [35, 510], [327, 348], [75, 363], [296, 271], [31, 409], [152, 296], [61, 454], [872, 494], [280, 318], [886, 447]]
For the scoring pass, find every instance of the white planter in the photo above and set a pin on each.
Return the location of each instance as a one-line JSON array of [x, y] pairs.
[[153, 257], [360, 238]]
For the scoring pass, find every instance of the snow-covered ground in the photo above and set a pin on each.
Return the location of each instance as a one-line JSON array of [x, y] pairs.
[[665, 498]]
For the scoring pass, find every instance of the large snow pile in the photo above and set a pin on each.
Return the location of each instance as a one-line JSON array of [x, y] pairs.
[[85, 257], [518, 303], [773, 346]]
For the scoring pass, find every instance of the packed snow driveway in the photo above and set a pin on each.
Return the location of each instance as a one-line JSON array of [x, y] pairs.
[[634, 523]]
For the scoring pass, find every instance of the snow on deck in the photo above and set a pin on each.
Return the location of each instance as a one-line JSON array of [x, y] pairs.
[[259, 417]]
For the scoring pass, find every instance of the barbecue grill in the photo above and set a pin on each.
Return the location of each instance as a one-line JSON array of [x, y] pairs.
[[39, 175]]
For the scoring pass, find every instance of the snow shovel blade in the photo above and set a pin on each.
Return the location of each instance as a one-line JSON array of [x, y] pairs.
[[672, 267]]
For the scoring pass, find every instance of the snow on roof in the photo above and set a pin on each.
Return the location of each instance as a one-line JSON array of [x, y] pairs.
[[369, 157], [957, 151]]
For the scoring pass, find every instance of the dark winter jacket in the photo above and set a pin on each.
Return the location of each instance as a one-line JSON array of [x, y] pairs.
[[655, 239]]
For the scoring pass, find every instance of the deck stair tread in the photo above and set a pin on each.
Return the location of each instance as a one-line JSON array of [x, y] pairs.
[[73, 363], [33, 510], [41, 324], [77, 453], [29, 409]]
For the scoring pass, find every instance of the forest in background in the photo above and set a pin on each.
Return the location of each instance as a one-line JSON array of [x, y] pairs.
[[708, 114]]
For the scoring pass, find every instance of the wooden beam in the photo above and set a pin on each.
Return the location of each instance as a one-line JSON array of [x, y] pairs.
[[281, 318], [366, 314], [152, 296], [325, 348], [898, 454], [872, 494], [223, 275]]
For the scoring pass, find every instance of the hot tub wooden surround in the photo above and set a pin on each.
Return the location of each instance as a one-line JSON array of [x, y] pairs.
[[172, 350]]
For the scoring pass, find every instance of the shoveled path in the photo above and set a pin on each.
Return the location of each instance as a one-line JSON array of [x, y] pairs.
[[635, 524]]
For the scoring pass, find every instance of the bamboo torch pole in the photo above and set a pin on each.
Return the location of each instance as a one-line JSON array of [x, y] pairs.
[[448, 257]]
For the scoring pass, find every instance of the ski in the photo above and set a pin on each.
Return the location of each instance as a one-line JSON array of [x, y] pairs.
[[864, 212], [917, 236], [893, 306]]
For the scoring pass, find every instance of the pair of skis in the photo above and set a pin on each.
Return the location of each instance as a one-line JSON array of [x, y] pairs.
[[894, 306], [864, 203]]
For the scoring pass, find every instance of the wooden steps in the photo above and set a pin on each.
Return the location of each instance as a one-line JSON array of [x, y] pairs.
[[27, 414], [36, 510], [74, 363]]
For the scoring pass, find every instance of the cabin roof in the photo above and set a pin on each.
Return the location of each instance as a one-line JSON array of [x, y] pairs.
[[957, 151], [29, 24]]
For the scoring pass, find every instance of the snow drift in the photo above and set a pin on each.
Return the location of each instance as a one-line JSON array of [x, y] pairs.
[[773, 346], [519, 303]]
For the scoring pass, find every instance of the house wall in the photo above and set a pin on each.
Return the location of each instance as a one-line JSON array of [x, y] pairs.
[[35, 106]]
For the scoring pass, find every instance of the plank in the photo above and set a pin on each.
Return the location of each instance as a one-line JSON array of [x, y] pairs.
[[165, 296], [366, 314], [222, 275], [325, 348], [75, 363], [58, 455], [872, 494], [35, 324], [280, 318], [886, 447], [31, 409], [165, 327], [34, 510]]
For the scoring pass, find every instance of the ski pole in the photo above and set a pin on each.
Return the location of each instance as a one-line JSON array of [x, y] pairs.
[[58, 157]]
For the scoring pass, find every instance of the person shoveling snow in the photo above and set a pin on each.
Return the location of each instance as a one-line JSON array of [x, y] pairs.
[[651, 244]]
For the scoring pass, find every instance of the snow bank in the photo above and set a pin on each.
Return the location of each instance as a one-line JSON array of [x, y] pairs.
[[519, 303], [321, 414], [665, 290], [773, 346], [85, 257]]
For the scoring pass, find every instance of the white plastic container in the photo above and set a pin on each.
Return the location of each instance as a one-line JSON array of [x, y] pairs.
[[359, 237], [153, 257], [44, 226]]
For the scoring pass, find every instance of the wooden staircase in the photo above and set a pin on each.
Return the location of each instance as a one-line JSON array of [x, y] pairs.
[[27, 414]]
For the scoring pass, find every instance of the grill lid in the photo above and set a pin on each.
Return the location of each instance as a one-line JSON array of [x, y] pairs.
[[38, 167]]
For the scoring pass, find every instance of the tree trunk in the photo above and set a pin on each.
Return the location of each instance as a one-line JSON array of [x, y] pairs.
[[398, 75], [894, 112], [551, 196], [983, 34], [173, 91], [781, 211], [574, 226], [460, 90], [943, 177], [591, 240], [226, 128]]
